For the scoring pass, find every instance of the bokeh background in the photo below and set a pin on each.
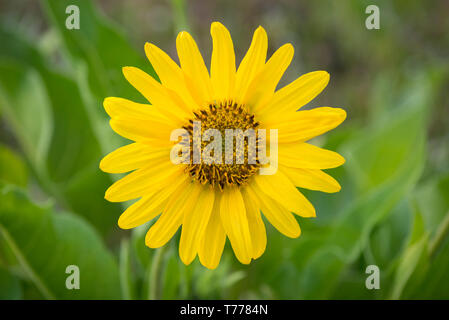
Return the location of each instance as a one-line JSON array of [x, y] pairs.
[[393, 209]]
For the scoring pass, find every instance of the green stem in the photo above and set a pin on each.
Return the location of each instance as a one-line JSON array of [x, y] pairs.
[[441, 234], [180, 15], [156, 273], [124, 270]]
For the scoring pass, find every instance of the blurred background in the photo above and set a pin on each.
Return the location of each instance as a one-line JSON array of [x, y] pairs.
[[392, 211]]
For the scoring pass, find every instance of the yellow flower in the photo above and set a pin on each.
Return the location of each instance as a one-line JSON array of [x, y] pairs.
[[213, 202]]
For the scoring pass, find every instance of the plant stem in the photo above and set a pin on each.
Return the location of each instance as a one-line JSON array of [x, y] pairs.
[[156, 273], [441, 234], [179, 12]]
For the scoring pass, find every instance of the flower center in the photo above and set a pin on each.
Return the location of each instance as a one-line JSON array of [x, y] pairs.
[[222, 117]]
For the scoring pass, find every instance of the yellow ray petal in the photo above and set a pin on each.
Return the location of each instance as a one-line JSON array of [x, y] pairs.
[[194, 225], [140, 212], [119, 107], [235, 223], [256, 225], [313, 179], [251, 64], [305, 155], [155, 93], [148, 207], [144, 182], [181, 202], [281, 189], [222, 69], [276, 213], [170, 74], [261, 89], [304, 125], [142, 130], [132, 156], [214, 238], [295, 95], [192, 63]]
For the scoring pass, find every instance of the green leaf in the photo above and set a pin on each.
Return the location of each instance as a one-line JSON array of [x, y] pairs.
[[380, 154], [432, 199], [100, 44], [390, 237], [10, 288], [428, 279], [414, 259], [45, 110], [45, 242], [26, 105], [434, 280], [12, 168]]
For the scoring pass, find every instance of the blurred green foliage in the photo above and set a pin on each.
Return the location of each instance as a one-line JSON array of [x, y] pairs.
[[393, 210]]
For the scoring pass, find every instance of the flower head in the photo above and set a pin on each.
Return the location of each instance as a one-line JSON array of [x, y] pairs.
[[211, 197]]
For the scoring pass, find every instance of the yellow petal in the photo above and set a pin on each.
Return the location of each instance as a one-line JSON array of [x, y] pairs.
[[304, 125], [170, 74], [119, 107], [313, 179], [295, 95], [235, 223], [222, 69], [155, 93], [276, 213], [140, 212], [261, 89], [194, 225], [214, 238], [256, 225], [148, 207], [305, 155], [132, 156], [180, 203], [192, 63], [141, 129], [281, 189], [252, 63], [144, 182]]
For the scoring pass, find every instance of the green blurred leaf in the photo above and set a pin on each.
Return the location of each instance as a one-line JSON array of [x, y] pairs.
[[434, 278], [414, 259], [10, 288], [45, 110], [380, 153], [100, 44], [46, 242], [429, 278], [12, 168], [390, 237], [432, 199], [26, 105]]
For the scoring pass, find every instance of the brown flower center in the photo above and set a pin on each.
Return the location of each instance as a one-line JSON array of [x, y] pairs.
[[224, 116]]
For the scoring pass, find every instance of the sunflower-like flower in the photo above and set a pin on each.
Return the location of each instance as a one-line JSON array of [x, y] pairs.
[[215, 201]]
